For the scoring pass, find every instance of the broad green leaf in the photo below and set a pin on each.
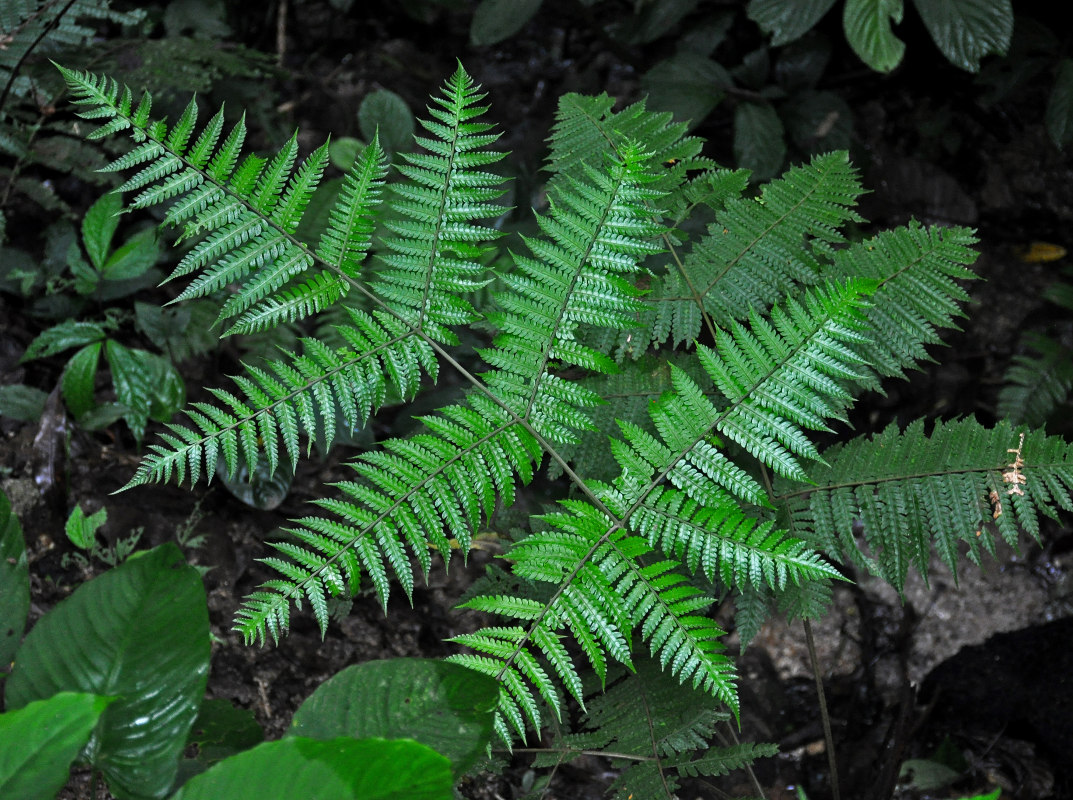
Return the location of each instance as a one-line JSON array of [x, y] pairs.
[[22, 402], [818, 122], [387, 113], [263, 488], [220, 731], [496, 20], [1059, 116], [76, 385], [139, 632], [967, 30], [787, 21], [63, 337], [98, 227], [867, 24], [759, 144], [39, 742], [82, 530], [179, 331], [14, 583], [133, 257], [445, 706], [336, 769], [688, 85], [147, 384], [343, 152]]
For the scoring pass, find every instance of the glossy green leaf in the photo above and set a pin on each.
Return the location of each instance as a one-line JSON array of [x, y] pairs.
[[867, 24], [63, 337], [787, 21], [145, 383], [387, 113], [759, 143], [39, 742], [14, 582], [1059, 116], [21, 402], [496, 20], [687, 84], [132, 258], [98, 227], [336, 769], [967, 30], [82, 530], [262, 488], [139, 632], [445, 706], [220, 731], [79, 375]]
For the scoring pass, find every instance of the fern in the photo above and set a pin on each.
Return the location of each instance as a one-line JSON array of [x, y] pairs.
[[671, 461], [654, 728], [1035, 385], [907, 492]]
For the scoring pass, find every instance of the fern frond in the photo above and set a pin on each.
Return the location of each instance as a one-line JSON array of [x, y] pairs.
[[654, 728], [786, 374], [602, 592], [1035, 385], [916, 270], [905, 492], [284, 401], [249, 210], [758, 250], [434, 252]]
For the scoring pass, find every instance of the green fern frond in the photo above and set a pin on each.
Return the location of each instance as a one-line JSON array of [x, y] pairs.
[[434, 252], [883, 502], [27, 24], [916, 270], [654, 728], [249, 210], [284, 401], [587, 131], [786, 373], [1035, 385], [758, 250], [602, 592]]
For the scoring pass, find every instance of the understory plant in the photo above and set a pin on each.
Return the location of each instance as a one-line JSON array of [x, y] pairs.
[[113, 678], [680, 350]]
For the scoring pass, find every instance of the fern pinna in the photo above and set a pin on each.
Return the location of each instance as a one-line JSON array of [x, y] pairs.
[[793, 321]]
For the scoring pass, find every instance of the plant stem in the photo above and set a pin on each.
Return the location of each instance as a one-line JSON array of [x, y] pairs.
[[829, 740]]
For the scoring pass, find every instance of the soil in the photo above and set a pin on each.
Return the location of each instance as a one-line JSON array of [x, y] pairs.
[[941, 666]]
